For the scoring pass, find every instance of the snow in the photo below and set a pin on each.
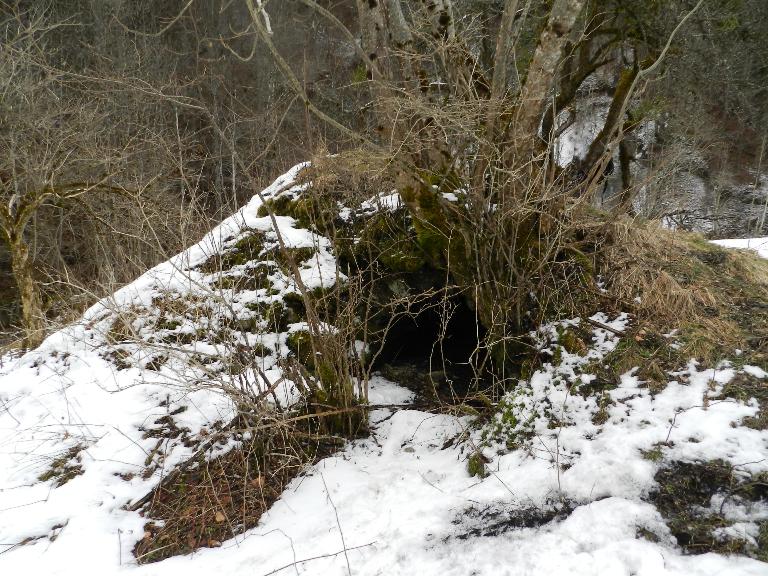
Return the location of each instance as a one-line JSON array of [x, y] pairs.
[[759, 245], [389, 202], [397, 502], [67, 402]]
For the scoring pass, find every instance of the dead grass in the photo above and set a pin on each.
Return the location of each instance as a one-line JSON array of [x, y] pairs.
[[64, 467], [208, 500], [358, 174], [716, 298]]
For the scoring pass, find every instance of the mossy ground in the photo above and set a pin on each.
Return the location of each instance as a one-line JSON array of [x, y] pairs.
[[684, 497], [245, 250], [687, 297]]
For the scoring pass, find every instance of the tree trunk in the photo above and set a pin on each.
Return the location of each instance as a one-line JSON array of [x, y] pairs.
[[31, 305], [541, 75]]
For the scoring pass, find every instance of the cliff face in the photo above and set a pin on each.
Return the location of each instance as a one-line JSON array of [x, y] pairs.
[[719, 189]]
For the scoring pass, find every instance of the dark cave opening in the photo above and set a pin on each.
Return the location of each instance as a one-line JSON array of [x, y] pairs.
[[439, 346]]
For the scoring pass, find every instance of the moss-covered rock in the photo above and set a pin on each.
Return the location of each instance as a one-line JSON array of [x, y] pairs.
[[311, 210], [283, 257], [273, 316], [388, 237], [299, 343], [245, 250], [282, 205]]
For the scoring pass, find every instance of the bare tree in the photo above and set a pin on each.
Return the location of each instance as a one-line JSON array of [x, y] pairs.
[[64, 148], [456, 127]]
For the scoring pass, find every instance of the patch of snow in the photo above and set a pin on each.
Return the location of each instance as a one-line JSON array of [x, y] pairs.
[[389, 202], [755, 371], [759, 245]]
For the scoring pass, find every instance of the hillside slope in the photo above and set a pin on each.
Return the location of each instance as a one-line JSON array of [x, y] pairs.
[[570, 473]]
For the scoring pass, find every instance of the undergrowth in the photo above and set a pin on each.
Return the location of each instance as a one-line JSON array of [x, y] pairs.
[[226, 487]]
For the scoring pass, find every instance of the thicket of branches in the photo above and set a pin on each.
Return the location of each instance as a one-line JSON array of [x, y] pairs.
[[128, 129]]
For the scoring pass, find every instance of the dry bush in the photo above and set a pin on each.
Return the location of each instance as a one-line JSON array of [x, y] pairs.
[[676, 280]]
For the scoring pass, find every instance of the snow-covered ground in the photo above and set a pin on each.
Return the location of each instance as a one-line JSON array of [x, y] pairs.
[[564, 499], [759, 245]]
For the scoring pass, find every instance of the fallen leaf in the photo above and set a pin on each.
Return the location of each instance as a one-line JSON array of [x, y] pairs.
[[257, 482]]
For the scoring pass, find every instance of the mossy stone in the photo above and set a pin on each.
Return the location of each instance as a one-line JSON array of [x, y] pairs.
[[300, 343]]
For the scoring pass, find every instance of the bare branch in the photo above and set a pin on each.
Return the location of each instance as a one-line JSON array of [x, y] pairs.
[[296, 86], [165, 28]]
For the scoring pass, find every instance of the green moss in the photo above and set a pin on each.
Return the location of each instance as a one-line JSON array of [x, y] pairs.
[[164, 323], [261, 350], [295, 304], [312, 211], [762, 542], [433, 241], [580, 259], [476, 465], [317, 212], [243, 251], [284, 257], [513, 423], [388, 238], [655, 454], [182, 337], [254, 278], [571, 342], [251, 324], [226, 283], [300, 343], [557, 355], [273, 314], [438, 233], [327, 374], [280, 206], [359, 74]]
